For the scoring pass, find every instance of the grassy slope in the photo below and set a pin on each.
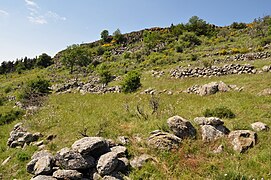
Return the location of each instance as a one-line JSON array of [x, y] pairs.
[[66, 115]]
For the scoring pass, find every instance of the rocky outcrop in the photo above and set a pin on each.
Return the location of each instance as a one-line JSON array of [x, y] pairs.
[[259, 126], [181, 127], [242, 140], [227, 69], [212, 128], [89, 157], [211, 88], [20, 137], [163, 141]]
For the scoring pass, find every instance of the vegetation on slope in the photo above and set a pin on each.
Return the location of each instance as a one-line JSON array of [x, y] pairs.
[[196, 43]]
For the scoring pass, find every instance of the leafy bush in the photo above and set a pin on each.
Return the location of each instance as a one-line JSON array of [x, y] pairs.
[[265, 41], [190, 39], [105, 76], [131, 82], [220, 112], [10, 116], [44, 60], [2, 100], [237, 25], [23, 156]]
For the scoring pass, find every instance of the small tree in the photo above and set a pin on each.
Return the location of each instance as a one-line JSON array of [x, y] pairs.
[[44, 60], [75, 55], [131, 82], [117, 36], [104, 35]]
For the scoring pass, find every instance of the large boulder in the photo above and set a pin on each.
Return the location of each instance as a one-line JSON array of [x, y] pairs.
[[242, 140], [163, 141], [93, 146], [68, 174], [69, 159], [44, 166], [181, 127], [107, 163], [208, 89], [212, 133], [33, 169], [259, 126]]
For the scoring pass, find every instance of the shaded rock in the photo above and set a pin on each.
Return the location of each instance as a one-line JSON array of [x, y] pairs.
[[212, 133], [73, 160], [163, 141], [107, 163], [139, 161], [181, 127], [123, 165], [242, 140], [87, 145], [223, 87], [259, 126], [213, 121], [50, 137], [121, 151], [43, 166], [43, 177], [68, 174]]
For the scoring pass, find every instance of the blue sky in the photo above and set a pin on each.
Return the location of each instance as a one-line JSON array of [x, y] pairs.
[[31, 27]]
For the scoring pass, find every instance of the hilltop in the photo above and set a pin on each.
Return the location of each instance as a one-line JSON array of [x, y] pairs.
[[176, 95]]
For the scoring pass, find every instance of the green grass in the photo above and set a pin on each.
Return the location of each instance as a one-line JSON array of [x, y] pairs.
[[111, 115]]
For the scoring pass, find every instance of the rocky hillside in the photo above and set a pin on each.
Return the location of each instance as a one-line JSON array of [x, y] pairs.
[[191, 101]]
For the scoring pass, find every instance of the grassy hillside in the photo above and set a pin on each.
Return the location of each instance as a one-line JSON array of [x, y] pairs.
[[115, 114]]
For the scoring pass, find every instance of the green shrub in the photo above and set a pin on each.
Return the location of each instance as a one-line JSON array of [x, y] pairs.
[[131, 82], [2, 100], [265, 41], [194, 57], [10, 116], [190, 39], [23, 156], [8, 89], [220, 112], [105, 76]]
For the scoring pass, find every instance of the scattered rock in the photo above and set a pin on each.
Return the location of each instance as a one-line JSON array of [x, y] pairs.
[[123, 140], [68, 174], [266, 92], [139, 161], [19, 137], [163, 141], [242, 140], [107, 163], [6, 161], [266, 68], [219, 149], [181, 127], [259, 126]]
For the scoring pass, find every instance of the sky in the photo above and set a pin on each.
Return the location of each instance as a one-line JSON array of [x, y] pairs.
[[32, 27]]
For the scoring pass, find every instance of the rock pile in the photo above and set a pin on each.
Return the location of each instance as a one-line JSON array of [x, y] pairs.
[[88, 158], [251, 56], [227, 69], [266, 68], [19, 137], [93, 86], [211, 88]]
